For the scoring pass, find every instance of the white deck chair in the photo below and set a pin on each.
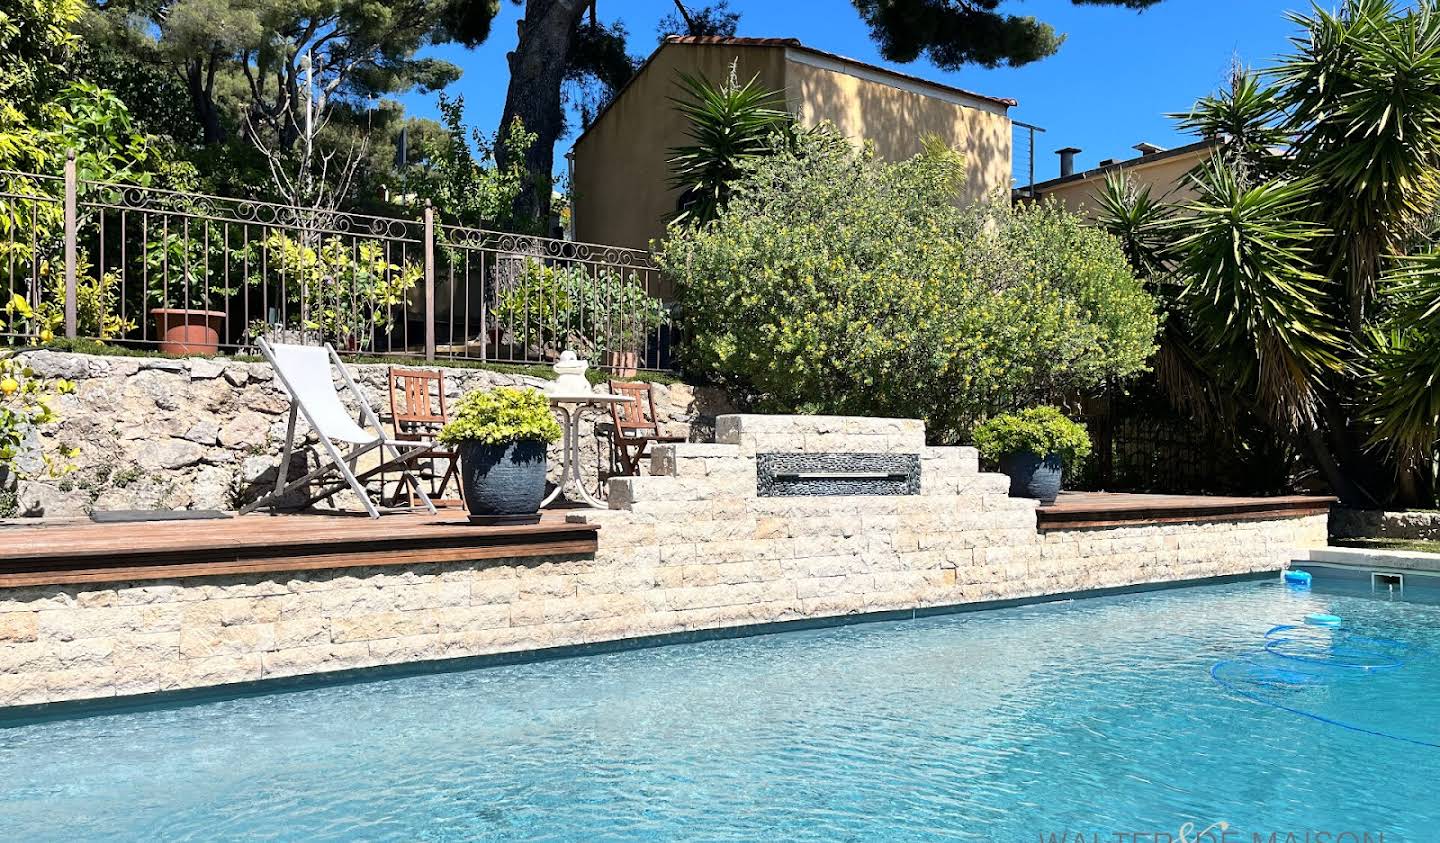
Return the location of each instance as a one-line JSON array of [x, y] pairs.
[[304, 372]]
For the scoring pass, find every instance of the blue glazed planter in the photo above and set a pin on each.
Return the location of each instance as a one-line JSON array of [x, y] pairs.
[[1032, 476], [503, 484]]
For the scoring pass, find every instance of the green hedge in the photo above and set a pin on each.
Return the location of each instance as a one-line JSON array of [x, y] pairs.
[[834, 283]]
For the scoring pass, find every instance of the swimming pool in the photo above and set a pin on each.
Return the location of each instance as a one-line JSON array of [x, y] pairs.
[[1098, 716]]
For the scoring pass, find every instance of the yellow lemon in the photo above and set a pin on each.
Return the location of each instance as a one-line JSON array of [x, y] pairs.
[[47, 335], [9, 385]]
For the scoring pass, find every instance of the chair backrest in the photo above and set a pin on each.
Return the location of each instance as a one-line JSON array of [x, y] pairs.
[[306, 374], [631, 415], [417, 399]]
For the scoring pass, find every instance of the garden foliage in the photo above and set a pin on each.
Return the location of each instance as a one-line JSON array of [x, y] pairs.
[[1041, 431], [501, 415], [836, 283], [1299, 269], [586, 309]]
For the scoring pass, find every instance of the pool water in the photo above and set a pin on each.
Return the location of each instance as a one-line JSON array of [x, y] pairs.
[[1096, 716]]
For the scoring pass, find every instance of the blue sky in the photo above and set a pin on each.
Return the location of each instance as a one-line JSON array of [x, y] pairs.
[[1108, 88]]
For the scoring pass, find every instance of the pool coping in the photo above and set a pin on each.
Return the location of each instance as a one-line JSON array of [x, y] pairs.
[[26, 715], [1377, 559]]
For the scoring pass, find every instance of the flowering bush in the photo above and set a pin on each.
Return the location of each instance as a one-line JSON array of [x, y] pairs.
[[839, 284], [344, 290]]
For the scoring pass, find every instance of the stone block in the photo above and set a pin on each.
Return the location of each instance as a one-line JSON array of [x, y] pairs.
[[22, 689], [143, 649], [80, 683], [248, 429], [16, 627], [315, 659], [202, 641], [214, 670], [382, 625], [166, 454], [301, 632], [470, 618]]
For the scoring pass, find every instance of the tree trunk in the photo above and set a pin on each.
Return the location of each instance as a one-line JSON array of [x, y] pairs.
[[537, 70], [200, 82]]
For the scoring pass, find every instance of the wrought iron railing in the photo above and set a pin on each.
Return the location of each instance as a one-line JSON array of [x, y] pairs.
[[137, 265]]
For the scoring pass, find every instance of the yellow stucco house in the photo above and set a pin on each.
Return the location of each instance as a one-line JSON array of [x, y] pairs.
[[1162, 170], [620, 177]]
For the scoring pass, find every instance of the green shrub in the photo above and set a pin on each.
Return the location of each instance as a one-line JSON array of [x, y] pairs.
[[343, 289], [1039, 430], [501, 415], [834, 283], [568, 306]]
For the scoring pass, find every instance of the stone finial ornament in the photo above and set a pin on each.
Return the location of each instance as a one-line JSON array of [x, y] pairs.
[[570, 375]]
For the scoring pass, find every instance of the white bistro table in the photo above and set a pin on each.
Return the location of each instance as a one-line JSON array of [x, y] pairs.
[[572, 408]]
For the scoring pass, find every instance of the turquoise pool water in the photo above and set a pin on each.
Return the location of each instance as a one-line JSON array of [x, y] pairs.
[[1098, 716]]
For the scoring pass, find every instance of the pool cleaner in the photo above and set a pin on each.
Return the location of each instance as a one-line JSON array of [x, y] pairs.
[[1300, 579], [1322, 619]]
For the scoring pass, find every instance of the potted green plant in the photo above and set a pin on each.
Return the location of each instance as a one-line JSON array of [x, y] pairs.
[[501, 436], [186, 283], [1033, 447]]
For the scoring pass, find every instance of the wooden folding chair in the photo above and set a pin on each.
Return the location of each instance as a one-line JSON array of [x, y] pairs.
[[417, 408], [633, 431]]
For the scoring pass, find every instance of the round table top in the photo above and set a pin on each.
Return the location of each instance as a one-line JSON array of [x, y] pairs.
[[588, 398]]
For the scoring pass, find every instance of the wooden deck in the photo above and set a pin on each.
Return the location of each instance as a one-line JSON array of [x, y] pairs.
[[83, 552], [1076, 510]]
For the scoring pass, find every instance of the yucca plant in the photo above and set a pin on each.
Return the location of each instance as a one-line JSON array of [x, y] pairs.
[[1305, 285], [1246, 257], [729, 124]]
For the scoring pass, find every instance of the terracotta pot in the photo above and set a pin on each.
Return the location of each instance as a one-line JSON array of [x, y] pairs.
[[623, 364], [188, 331]]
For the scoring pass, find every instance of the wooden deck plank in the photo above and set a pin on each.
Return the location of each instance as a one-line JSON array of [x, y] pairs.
[[81, 551], [1086, 510]]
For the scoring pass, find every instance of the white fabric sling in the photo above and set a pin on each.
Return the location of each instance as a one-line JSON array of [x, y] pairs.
[[305, 370]]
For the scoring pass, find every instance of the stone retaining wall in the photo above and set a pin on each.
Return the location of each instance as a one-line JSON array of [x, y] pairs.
[[199, 433], [1381, 524], [691, 547]]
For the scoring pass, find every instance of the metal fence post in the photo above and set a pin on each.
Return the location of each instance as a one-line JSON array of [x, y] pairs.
[[429, 281], [72, 226]]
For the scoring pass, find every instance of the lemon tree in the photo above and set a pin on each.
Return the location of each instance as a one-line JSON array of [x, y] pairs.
[[27, 405]]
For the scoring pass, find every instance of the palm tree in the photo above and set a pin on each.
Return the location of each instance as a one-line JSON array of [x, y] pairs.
[[729, 124], [1306, 281]]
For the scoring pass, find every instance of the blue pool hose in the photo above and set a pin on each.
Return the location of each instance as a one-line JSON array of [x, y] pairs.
[[1352, 658]]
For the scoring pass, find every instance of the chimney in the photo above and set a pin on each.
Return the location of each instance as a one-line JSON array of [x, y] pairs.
[[1067, 160], [1148, 148]]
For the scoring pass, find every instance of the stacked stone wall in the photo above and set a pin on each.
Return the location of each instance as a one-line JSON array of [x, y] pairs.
[[691, 547], [198, 433]]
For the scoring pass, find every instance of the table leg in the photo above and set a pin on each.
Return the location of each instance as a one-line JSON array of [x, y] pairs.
[[569, 431], [570, 471], [575, 466]]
